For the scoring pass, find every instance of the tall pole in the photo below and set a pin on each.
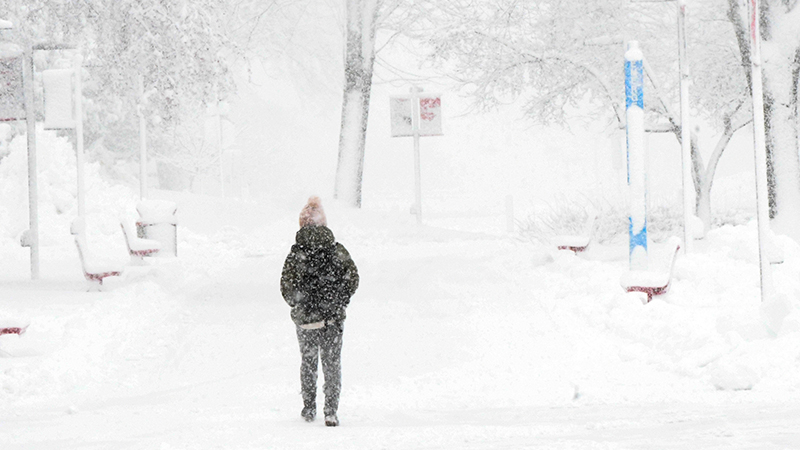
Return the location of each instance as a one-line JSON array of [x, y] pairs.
[[33, 190], [219, 142], [759, 137], [637, 181], [686, 137], [509, 213], [142, 141], [417, 169], [78, 68]]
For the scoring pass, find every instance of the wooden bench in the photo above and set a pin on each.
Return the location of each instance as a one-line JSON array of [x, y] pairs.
[[12, 329], [652, 282], [138, 247], [157, 221], [577, 242], [93, 271]]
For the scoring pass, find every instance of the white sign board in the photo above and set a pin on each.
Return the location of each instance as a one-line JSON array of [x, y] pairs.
[[58, 99], [12, 98], [430, 115], [400, 113]]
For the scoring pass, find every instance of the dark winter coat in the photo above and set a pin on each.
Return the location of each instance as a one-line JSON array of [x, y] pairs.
[[318, 277]]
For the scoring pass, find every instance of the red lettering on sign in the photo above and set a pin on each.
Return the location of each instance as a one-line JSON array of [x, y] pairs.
[[426, 105]]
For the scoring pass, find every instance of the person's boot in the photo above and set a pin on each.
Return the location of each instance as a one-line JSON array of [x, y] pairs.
[[331, 420], [309, 412]]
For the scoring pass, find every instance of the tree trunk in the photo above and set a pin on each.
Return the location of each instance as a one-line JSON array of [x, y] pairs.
[[782, 157], [704, 192], [796, 98], [359, 61], [704, 205], [778, 68]]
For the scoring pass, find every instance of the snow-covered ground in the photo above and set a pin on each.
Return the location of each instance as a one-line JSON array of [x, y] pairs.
[[456, 338]]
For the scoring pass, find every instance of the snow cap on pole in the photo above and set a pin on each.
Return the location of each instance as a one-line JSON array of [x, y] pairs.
[[634, 53]]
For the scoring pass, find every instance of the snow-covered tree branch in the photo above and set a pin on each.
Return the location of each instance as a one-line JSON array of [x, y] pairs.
[[559, 55]]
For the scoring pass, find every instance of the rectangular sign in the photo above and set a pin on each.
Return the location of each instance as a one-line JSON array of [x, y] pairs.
[[12, 96], [400, 113], [58, 94], [430, 115]]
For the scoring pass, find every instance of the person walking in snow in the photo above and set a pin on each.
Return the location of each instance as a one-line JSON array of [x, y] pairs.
[[317, 281]]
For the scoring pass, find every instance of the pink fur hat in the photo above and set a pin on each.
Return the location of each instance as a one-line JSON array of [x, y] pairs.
[[312, 213]]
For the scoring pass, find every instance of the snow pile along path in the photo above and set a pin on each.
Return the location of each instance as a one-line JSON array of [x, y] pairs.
[[454, 340]]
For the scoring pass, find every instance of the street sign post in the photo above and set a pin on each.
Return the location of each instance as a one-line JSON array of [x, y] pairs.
[[31, 237], [63, 110], [17, 95], [686, 137], [416, 115]]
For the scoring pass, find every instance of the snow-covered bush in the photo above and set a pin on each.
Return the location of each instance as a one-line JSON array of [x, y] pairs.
[[562, 217], [569, 217]]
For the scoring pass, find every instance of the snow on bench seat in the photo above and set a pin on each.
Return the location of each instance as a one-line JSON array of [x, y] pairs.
[[652, 282], [157, 221], [577, 242], [156, 211], [12, 327], [138, 247], [94, 269]]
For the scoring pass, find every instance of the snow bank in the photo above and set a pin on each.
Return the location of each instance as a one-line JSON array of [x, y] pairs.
[[447, 326], [83, 347], [157, 211], [105, 202]]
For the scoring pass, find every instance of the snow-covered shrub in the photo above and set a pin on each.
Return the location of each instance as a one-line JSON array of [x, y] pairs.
[[664, 220], [731, 217], [569, 217]]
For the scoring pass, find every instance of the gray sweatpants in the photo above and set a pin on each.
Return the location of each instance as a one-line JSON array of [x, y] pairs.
[[328, 342]]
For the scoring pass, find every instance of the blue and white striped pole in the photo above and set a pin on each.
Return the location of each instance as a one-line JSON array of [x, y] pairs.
[[634, 115]]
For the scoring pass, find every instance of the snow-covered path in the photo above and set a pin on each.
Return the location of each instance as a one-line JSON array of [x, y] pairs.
[[454, 340]]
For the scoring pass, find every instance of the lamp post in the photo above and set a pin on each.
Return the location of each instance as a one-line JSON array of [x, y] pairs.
[[140, 111], [762, 204], [686, 136], [415, 91], [77, 63], [686, 143], [29, 238], [32, 235]]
